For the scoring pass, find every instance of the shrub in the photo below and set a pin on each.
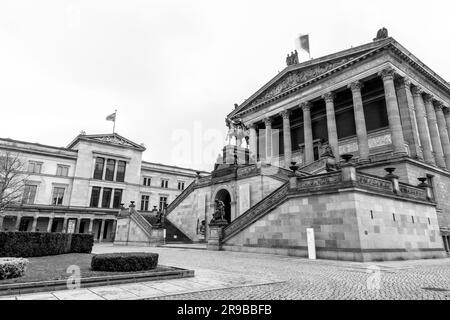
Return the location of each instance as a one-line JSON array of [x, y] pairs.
[[12, 267], [124, 262], [81, 243], [36, 244]]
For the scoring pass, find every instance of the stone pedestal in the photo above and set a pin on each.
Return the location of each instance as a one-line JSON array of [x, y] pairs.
[[216, 234]]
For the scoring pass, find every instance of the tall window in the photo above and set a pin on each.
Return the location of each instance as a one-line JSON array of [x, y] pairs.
[[58, 196], [95, 196], [162, 203], [98, 170], [62, 170], [121, 171], [147, 181], [34, 167], [110, 166], [29, 194], [106, 200], [164, 183], [180, 185], [145, 199], [117, 198]]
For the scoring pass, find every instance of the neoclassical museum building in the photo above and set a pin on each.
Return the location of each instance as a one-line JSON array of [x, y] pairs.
[[354, 145], [81, 188]]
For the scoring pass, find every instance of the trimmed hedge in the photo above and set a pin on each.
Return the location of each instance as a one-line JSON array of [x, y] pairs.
[[81, 243], [37, 244], [124, 262], [12, 267]]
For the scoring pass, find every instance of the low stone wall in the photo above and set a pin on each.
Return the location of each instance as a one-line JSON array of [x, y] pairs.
[[128, 232], [363, 222]]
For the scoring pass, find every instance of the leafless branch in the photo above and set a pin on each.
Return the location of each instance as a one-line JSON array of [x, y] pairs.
[[13, 177]]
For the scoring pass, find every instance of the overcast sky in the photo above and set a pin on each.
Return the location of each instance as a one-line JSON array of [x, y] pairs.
[[174, 69]]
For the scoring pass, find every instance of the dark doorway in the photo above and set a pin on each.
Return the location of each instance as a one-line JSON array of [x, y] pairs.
[[224, 196]]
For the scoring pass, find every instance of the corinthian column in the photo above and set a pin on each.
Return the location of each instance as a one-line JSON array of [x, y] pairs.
[[360, 121], [434, 133], [422, 125], [408, 117], [287, 138], [447, 118], [253, 141], [268, 123], [331, 123], [443, 132], [395, 125], [307, 127]]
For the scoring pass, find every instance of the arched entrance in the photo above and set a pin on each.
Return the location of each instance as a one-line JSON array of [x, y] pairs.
[[224, 196]]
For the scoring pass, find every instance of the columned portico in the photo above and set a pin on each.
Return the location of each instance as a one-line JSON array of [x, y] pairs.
[[434, 134], [392, 110], [287, 137], [408, 117], [331, 123], [447, 119], [253, 141], [443, 132], [50, 224], [34, 224], [360, 121], [102, 230], [268, 123], [422, 125], [307, 126]]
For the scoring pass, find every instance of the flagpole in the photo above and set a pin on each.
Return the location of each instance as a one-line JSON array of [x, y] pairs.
[[114, 125]]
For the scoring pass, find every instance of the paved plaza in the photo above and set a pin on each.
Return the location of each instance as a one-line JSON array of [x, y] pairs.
[[234, 275]]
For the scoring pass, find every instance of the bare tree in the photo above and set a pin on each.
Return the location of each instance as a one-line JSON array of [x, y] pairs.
[[12, 179]]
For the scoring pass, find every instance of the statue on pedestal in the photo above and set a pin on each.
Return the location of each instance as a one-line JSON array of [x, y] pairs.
[[219, 211], [237, 130]]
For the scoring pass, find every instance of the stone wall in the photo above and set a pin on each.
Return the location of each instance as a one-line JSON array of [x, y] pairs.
[[199, 204], [408, 172], [344, 228]]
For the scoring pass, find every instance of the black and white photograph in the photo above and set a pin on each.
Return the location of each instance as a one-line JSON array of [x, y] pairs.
[[244, 152]]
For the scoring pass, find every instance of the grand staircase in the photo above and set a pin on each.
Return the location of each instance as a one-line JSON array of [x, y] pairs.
[[256, 212]]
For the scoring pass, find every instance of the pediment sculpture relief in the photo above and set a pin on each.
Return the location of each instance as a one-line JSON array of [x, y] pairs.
[[296, 78]]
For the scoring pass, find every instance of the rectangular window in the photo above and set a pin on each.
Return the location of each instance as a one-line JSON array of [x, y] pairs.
[[95, 196], [110, 166], [162, 203], [106, 200], [29, 194], [144, 202], [34, 167], [121, 171], [147, 181], [117, 200], [98, 170], [62, 170], [58, 196], [164, 183], [180, 185]]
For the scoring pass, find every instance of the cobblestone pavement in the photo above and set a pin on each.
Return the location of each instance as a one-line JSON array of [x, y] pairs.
[[299, 278]]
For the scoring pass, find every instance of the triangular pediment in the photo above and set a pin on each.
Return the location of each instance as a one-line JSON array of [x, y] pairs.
[[296, 75], [111, 139], [300, 75]]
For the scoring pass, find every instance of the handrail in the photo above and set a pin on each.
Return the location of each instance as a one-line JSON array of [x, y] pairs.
[[256, 211], [140, 220], [180, 197]]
